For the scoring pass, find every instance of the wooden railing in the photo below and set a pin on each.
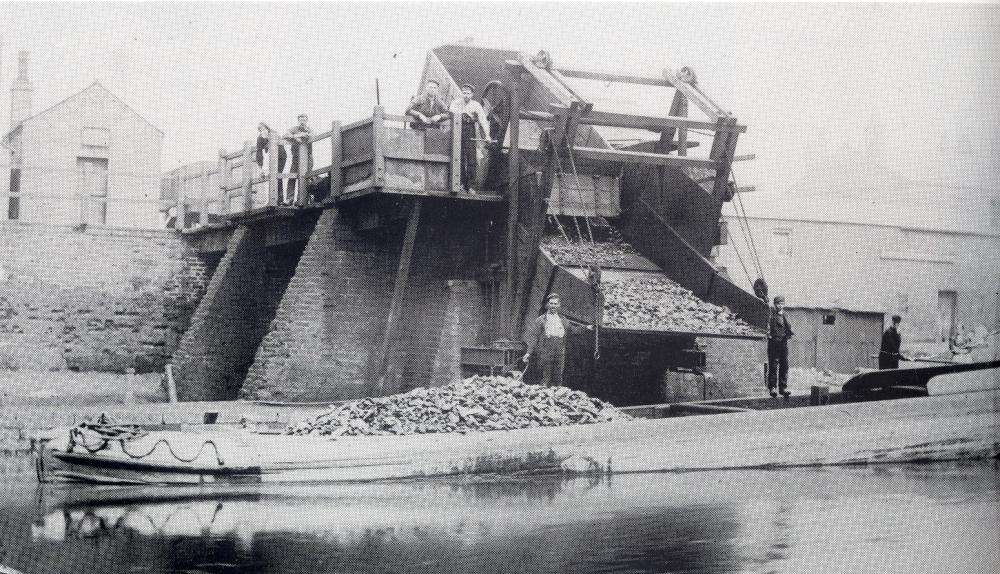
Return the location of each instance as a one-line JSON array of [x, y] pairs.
[[379, 153]]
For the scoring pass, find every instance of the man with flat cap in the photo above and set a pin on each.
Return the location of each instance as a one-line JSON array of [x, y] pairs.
[[778, 333], [427, 110], [888, 354], [474, 126], [546, 340]]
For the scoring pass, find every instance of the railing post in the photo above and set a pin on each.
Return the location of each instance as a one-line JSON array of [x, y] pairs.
[[181, 208], [203, 200], [272, 169], [456, 152], [336, 160], [378, 143], [223, 183], [302, 182], [247, 177]]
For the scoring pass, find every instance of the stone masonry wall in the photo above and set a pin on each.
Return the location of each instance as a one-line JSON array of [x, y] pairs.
[[96, 299], [329, 326], [218, 348]]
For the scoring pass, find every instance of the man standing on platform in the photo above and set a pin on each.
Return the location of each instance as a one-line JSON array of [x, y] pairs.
[[427, 110], [299, 134], [778, 333], [546, 342], [888, 353], [474, 126]]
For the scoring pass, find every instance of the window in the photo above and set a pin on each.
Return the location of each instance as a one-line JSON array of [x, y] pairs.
[[95, 137], [783, 242]]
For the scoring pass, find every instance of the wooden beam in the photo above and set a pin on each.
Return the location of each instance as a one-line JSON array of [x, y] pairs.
[[181, 207], [273, 183], [723, 151], [506, 315], [654, 124], [223, 177], [547, 81], [642, 157], [203, 202], [378, 143], [709, 109], [612, 77], [456, 152], [398, 291], [248, 164], [336, 158], [301, 173]]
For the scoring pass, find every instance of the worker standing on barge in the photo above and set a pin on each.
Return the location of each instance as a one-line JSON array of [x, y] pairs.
[[778, 333], [888, 353], [546, 342]]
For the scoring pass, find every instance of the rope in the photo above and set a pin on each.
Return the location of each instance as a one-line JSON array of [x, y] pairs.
[[78, 438], [753, 245], [579, 190], [559, 170]]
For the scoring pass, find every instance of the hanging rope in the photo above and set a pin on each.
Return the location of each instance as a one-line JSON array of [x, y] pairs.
[[753, 245], [579, 191], [559, 172]]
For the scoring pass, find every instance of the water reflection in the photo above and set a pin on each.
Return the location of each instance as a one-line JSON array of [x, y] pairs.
[[735, 521]]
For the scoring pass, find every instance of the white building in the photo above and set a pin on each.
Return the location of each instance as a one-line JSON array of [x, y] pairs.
[[90, 159], [926, 250]]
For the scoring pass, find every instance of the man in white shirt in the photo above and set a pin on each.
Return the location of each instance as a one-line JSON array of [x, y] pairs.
[[474, 126], [546, 342]]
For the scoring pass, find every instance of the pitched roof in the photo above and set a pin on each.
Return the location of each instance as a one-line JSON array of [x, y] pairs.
[[94, 85]]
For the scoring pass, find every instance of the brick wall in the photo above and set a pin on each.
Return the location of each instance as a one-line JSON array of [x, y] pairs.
[[96, 299], [233, 316], [328, 328]]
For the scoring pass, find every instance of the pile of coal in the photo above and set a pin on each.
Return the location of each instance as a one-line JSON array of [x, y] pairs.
[[613, 253], [657, 303], [474, 404]]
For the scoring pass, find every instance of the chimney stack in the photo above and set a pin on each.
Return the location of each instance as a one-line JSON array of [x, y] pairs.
[[20, 93]]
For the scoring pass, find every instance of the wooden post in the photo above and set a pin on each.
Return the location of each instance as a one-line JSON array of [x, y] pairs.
[[399, 290], [248, 164], [456, 152], [302, 182], [203, 201], [171, 384], [273, 182], [223, 183], [682, 133], [181, 192], [336, 159], [507, 312], [378, 143]]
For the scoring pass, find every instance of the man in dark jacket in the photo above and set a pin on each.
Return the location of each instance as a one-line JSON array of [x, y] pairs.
[[546, 340], [888, 354], [778, 333]]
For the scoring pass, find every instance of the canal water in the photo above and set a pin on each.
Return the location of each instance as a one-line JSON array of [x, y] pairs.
[[905, 519]]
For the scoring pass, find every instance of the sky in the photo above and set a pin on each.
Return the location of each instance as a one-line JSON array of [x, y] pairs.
[[907, 90]]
